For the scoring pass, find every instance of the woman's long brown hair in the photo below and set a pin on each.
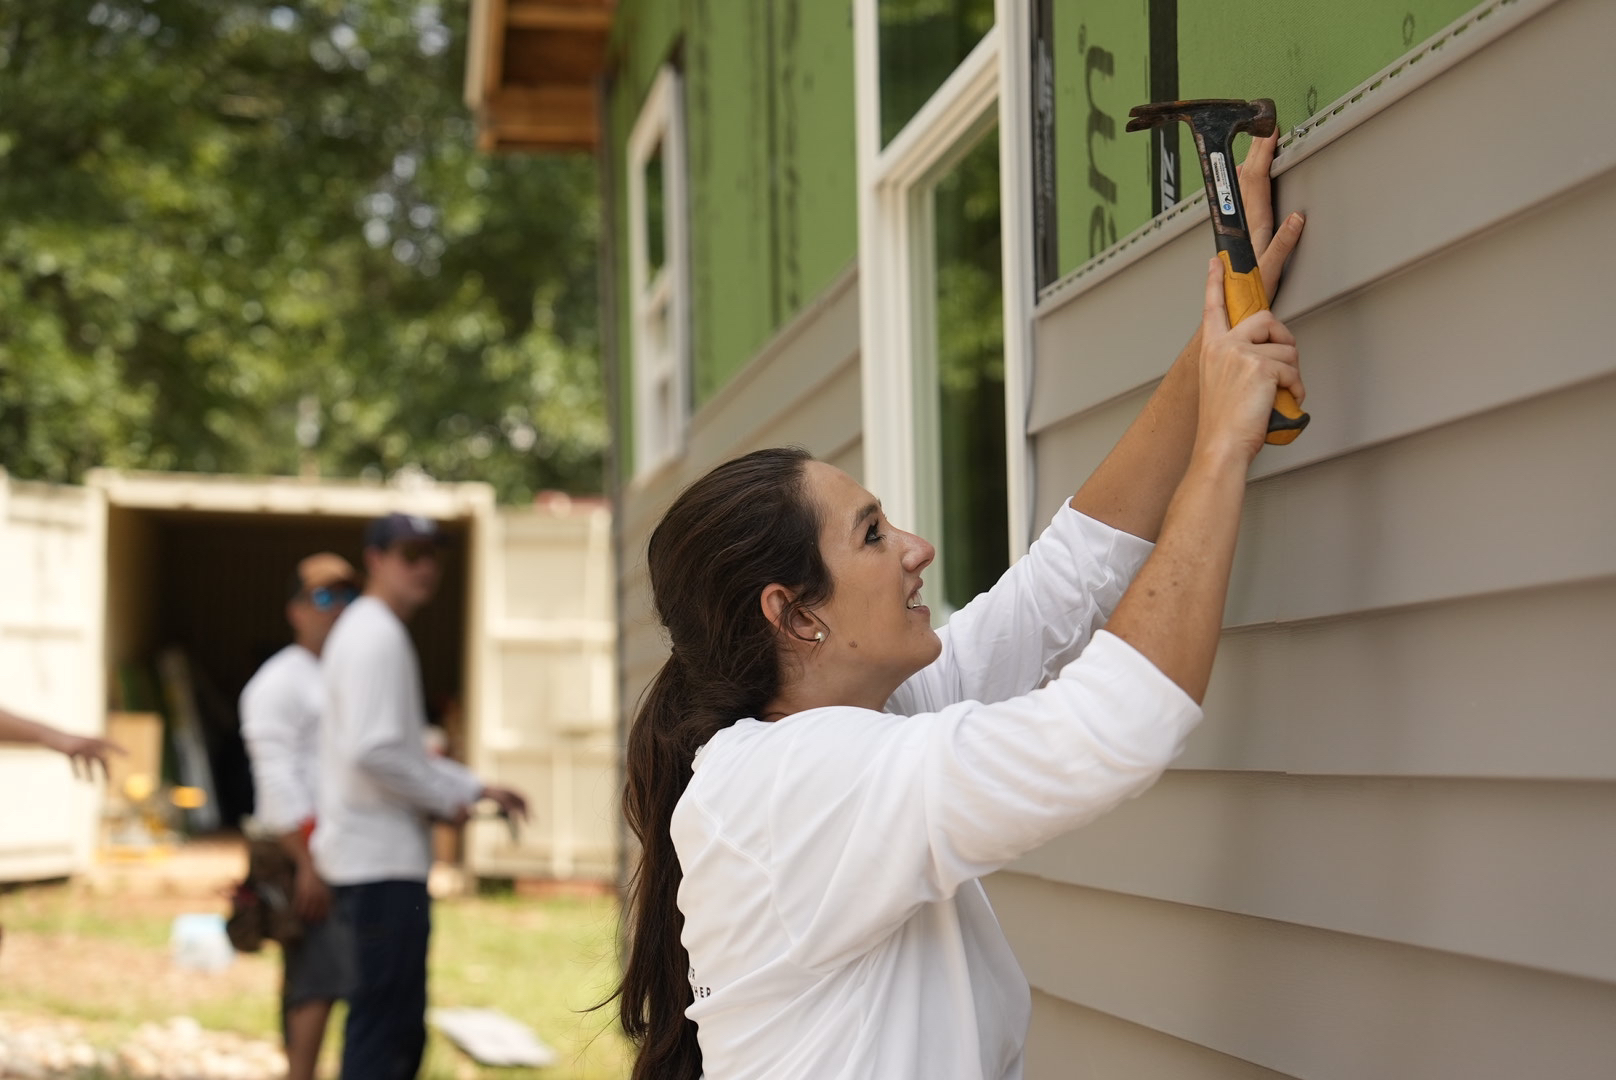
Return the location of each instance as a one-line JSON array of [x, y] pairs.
[[746, 525]]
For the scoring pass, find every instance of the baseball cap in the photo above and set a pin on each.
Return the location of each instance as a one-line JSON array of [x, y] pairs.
[[384, 532], [322, 571]]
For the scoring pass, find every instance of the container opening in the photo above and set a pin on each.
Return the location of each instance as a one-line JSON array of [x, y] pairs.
[[212, 587]]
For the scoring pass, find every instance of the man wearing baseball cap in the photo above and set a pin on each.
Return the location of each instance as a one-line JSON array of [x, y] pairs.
[[281, 710], [379, 792]]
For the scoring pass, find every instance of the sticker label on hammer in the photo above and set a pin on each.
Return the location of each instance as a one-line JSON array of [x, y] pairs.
[[1220, 179]]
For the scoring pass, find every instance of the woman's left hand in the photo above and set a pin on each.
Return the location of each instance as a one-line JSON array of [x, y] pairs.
[[1257, 192]]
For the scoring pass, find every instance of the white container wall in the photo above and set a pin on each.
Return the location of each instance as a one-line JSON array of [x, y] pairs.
[[50, 625]]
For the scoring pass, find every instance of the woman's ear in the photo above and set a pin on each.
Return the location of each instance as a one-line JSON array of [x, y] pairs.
[[799, 624]]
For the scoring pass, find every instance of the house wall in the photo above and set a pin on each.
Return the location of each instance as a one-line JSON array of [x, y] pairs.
[[1385, 852], [768, 101]]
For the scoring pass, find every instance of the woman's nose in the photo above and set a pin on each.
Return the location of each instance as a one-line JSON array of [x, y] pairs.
[[919, 555]]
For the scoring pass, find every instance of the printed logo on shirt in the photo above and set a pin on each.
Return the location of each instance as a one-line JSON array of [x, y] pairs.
[[697, 989]]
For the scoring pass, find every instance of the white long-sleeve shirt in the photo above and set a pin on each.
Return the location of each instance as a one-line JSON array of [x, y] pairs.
[[280, 723], [833, 916], [378, 786]]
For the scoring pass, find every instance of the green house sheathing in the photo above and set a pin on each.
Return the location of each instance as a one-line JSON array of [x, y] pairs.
[[1110, 56], [773, 208], [769, 120]]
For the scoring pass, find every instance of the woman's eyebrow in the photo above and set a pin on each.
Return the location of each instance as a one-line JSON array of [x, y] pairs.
[[866, 511]]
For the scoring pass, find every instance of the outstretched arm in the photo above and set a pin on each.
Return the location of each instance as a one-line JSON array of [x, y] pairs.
[[84, 751], [1133, 485]]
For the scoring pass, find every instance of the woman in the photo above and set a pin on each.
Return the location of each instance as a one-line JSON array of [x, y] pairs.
[[818, 779]]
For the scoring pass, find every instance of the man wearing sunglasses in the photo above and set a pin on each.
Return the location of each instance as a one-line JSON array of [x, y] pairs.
[[281, 711], [379, 792]]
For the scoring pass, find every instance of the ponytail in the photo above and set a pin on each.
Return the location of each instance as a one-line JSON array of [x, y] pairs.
[[655, 991], [745, 525]]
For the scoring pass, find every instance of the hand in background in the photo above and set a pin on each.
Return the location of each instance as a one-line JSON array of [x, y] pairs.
[[311, 897], [84, 751], [511, 803]]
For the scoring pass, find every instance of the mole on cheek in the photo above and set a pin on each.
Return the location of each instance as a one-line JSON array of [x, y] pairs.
[[852, 644]]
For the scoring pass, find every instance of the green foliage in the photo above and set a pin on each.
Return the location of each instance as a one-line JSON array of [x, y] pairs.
[[258, 238]]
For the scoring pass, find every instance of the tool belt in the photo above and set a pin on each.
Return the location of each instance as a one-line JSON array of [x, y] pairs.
[[261, 905]]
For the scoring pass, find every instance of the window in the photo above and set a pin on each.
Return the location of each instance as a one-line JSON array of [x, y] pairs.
[[962, 465], [922, 42], [657, 276], [945, 278]]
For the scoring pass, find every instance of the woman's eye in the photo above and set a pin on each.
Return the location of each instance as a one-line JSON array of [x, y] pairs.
[[873, 536]]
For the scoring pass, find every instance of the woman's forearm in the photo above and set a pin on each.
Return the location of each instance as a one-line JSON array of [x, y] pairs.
[[1173, 611], [1133, 486]]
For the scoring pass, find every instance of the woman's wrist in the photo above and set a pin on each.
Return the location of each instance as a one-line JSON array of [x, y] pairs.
[[1214, 457]]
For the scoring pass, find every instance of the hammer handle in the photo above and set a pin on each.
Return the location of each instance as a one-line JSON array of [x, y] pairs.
[[1245, 296]]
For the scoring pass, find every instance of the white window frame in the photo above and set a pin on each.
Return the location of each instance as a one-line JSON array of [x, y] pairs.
[[661, 374], [896, 267]]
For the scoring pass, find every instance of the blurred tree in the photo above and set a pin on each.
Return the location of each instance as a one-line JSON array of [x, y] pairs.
[[247, 237]]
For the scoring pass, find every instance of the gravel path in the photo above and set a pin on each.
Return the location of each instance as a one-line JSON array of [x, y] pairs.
[[35, 1048]]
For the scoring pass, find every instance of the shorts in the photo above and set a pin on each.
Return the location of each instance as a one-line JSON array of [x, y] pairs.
[[322, 965]]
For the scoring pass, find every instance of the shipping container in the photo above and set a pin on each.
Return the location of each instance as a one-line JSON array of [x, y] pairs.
[[135, 585]]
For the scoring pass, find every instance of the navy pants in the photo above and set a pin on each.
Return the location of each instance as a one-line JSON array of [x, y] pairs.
[[391, 922]]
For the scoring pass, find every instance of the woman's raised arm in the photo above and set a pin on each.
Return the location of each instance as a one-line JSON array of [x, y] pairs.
[[1132, 487]]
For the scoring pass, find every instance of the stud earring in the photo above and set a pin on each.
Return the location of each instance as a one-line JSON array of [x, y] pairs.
[[819, 636]]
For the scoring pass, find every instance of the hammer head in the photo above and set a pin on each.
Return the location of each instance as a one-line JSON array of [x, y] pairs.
[[1215, 121]]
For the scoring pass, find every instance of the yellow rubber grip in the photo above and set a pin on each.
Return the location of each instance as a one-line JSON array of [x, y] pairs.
[[1244, 296]]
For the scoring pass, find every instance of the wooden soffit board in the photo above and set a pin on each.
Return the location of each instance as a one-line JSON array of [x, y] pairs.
[[531, 70]]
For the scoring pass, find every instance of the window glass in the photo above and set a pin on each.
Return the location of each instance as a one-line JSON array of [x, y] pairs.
[[968, 394], [922, 42], [656, 225]]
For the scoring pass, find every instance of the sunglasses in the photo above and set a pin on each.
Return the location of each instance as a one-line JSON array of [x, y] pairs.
[[414, 551], [327, 597]]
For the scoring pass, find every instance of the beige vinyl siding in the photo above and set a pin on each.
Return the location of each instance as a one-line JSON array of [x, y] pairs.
[[801, 389], [1070, 1041], [1301, 1001], [1386, 852]]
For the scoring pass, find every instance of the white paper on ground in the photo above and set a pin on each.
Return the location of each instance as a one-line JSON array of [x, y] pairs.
[[491, 1037]]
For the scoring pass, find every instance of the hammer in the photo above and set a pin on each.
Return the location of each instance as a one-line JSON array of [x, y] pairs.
[[1215, 122]]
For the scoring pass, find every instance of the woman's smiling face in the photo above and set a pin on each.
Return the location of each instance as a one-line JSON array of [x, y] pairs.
[[875, 619]]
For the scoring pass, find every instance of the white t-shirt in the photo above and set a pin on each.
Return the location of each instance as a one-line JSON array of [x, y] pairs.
[[378, 786], [833, 916], [280, 723]]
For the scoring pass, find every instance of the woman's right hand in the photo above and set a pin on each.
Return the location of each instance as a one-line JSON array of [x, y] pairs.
[[1241, 368]]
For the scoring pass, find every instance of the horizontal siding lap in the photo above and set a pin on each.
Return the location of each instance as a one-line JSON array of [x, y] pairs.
[[1519, 497], [1519, 872], [1449, 689], [1305, 1002], [1465, 331], [1070, 1041]]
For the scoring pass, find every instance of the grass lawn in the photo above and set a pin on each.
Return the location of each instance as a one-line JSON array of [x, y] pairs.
[[103, 960]]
